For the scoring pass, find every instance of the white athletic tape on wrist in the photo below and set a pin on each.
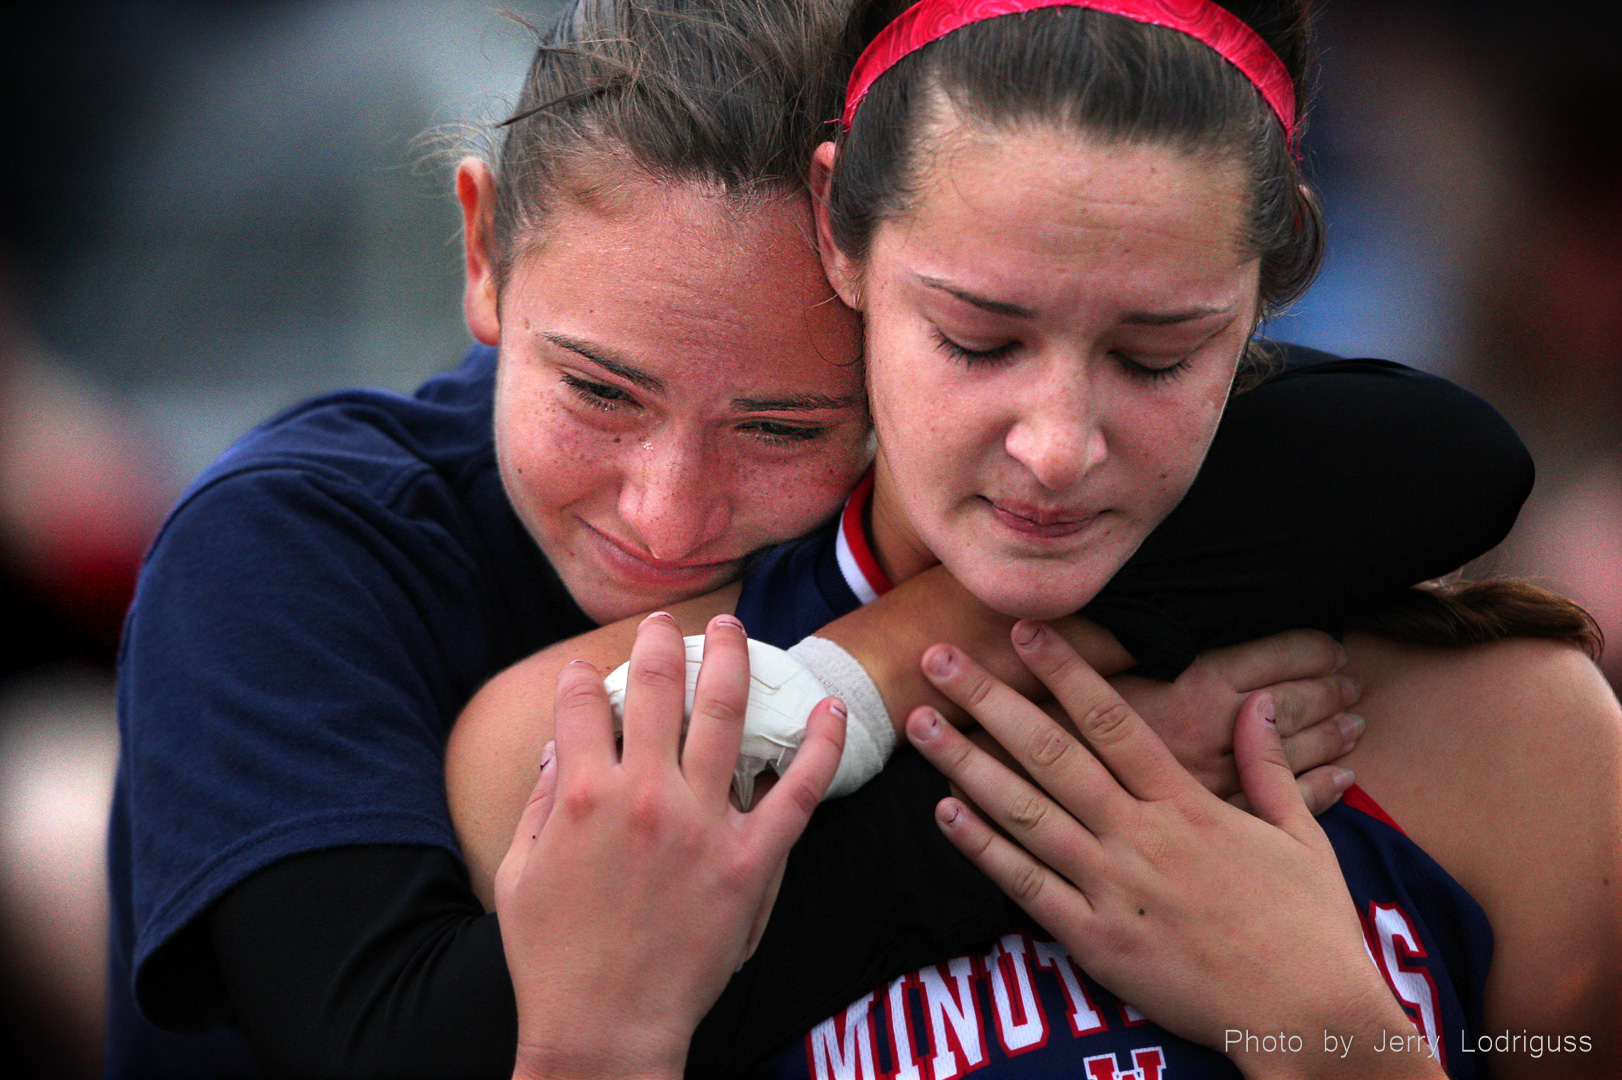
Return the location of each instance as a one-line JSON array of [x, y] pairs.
[[784, 688]]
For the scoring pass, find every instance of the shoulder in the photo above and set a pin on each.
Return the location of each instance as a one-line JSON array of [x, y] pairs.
[[1504, 761]]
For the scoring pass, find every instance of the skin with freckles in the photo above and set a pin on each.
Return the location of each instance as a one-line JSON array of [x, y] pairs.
[[1053, 324], [671, 361]]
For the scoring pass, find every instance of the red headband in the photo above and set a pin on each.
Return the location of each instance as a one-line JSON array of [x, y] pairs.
[[931, 20]]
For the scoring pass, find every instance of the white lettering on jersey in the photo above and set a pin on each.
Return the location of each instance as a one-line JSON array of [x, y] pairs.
[[1131, 1017], [841, 1047], [1021, 1023], [1150, 1062], [901, 1038], [1083, 1014], [954, 1019], [1414, 987]]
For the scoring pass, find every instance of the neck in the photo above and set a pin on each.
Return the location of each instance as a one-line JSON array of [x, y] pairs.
[[900, 552]]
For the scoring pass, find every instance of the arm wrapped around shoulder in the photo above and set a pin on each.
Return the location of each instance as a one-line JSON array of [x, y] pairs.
[[784, 686], [1327, 488]]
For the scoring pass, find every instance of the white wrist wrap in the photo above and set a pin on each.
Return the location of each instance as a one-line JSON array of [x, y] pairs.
[[784, 687], [869, 735]]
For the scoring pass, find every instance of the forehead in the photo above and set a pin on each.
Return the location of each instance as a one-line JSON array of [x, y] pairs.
[[686, 281], [1058, 210]]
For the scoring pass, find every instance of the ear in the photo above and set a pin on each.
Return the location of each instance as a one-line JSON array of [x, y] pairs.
[[476, 192], [843, 273]]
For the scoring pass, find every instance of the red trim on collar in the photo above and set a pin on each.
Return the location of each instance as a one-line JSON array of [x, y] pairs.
[[851, 524], [1358, 799]]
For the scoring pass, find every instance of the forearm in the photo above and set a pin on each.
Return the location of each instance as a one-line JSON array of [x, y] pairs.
[[888, 637], [494, 750]]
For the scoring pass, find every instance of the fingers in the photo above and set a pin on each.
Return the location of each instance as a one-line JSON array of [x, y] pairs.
[[1268, 783], [1120, 738], [536, 811], [1322, 787], [1301, 703], [1047, 897], [583, 726], [1294, 654], [719, 703], [655, 695], [1033, 820], [1063, 766], [1322, 743], [778, 819]]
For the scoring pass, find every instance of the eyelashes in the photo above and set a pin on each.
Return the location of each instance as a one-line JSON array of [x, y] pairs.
[[605, 397], [1001, 353]]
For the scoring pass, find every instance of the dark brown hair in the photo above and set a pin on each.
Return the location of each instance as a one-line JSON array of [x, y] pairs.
[[1093, 72], [726, 93], [1477, 612]]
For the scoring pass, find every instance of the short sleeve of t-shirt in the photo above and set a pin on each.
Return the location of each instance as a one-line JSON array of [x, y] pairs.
[[308, 625]]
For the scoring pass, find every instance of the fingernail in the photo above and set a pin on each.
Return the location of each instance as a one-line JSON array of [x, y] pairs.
[[941, 661], [1352, 725], [1027, 632], [948, 812], [1269, 710], [924, 724], [1349, 690], [837, 707], [1344, 778], [727, 620], [549, 753], [1344, 655], [659, 615]]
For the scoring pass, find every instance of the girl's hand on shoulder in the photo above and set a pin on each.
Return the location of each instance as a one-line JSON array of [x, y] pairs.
[[1300, 668], [1206, 918], [634, 888]]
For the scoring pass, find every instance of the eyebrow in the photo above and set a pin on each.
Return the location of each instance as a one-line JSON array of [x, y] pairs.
[[795, 403], [996, 307], [1136, 318], [1172, 318], [608, 360]]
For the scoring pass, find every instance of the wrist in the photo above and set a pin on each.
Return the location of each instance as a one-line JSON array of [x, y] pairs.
[[618, 1062]]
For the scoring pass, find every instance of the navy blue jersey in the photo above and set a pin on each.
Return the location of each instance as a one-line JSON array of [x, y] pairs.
[[1018, 1006]]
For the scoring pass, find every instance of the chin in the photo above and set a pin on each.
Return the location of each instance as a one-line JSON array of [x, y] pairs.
[[1038, 593]]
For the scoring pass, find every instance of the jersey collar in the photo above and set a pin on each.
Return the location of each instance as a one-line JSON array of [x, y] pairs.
[[856, 562]]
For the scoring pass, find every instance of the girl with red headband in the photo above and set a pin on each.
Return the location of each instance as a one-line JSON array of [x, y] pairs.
[[1062, 223]]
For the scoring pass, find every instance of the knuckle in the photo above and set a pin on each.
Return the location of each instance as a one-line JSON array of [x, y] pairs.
[[977, 687], [578, 690], [659, 670], [579, 802], [1048, 746], [802, 794], [1106, 722], [648, 811], [724, 708], [1026, 883], [1028, 813]]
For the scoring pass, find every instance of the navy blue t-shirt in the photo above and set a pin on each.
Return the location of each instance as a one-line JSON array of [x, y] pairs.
[[1018, 1006], [313, 616]]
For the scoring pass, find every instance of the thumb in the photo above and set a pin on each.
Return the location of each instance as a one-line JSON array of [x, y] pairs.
[[530, 823], [1264, 772]]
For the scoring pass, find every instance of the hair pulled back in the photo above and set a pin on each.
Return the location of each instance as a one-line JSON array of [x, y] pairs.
[[730, 94], [1096, 73]]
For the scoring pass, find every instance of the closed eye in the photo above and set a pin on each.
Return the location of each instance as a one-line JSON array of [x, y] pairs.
[[777, 433], [598, 395], [974, 356]]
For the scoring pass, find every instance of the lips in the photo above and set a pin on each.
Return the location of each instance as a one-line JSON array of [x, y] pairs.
[[633, 566], [1042, 523]]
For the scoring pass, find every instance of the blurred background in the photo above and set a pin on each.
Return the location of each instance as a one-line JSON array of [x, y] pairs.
[[212, 210]]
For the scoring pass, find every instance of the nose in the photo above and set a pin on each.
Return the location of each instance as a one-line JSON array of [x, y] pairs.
[[674, 495], [1057, 431]]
